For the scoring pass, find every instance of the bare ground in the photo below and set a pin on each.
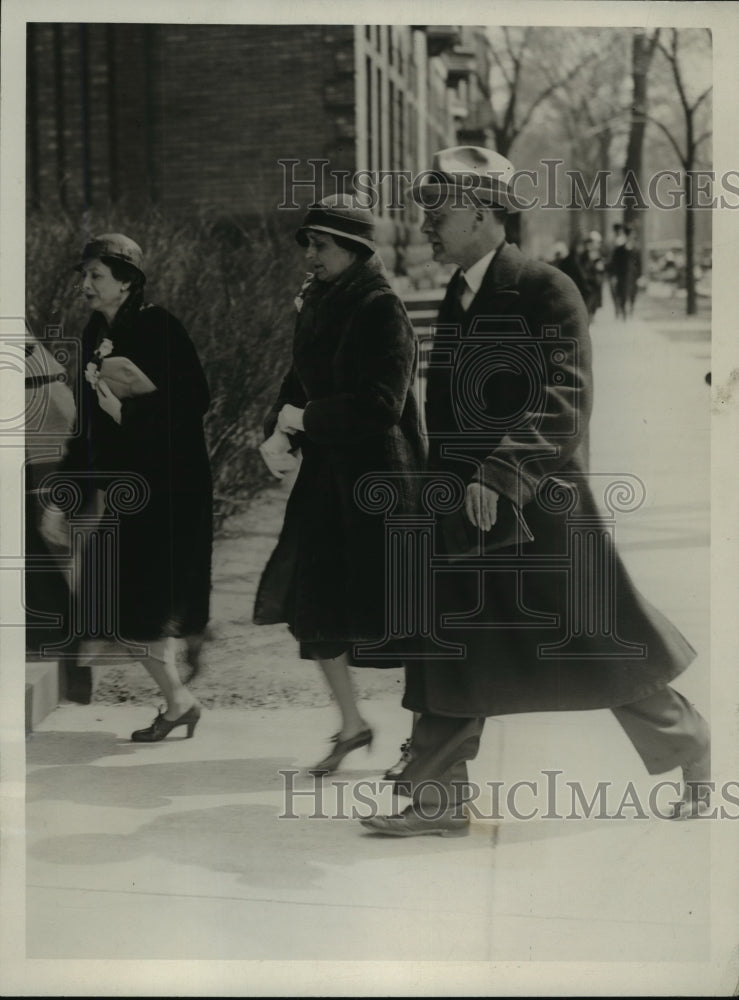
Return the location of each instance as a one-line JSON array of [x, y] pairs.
[[246, 664]]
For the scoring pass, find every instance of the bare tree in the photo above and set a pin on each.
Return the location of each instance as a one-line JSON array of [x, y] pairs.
[[528, 70], [589, 111], [643, 45], [693, 96]]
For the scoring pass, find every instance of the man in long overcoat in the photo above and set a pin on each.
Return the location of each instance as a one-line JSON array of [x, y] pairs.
[[551, 621]]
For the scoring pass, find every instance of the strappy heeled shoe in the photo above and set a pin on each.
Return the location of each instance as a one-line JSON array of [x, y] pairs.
[[342, 747], [406, 756], [162, 727]]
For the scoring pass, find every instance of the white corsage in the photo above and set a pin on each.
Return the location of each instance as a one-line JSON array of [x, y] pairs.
[[104, 348], [303, 288]]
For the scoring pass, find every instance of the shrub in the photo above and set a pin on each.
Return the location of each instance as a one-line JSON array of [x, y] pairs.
[[231, 281]]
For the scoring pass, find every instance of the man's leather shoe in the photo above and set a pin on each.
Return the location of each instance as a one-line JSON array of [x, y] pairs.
[[696, 797], [451, 823]]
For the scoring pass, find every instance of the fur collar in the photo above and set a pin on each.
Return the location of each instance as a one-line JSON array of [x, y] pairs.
[[350, 287]]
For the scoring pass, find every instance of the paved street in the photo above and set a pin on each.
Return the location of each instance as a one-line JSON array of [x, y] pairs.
[[176, 851]]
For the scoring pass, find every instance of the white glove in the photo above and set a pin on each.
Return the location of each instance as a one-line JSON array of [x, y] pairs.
[[481, 504], [53, 528], [290, 419], [108, 400], [276, 454], [92, 374]]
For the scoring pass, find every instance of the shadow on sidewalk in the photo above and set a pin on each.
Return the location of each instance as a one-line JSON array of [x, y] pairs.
[[74, 748], [151, 785], [250, 841]]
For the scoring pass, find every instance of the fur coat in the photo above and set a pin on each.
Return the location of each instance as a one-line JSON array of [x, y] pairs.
[[353, 369]]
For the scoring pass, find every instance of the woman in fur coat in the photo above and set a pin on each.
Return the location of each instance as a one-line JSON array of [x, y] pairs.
[[347, 403]]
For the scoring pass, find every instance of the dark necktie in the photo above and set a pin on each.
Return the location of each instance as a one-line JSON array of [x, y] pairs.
[[460, 290], [454, 311]]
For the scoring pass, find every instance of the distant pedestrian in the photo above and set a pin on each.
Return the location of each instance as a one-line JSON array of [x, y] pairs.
[[584, 265], [347, 404], [558, 253], [572, 266], [593, 267], [624, 270]]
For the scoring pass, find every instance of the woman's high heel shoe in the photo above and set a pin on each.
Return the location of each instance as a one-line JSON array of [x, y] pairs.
[[162, 727], [406, 756], [329, 764]]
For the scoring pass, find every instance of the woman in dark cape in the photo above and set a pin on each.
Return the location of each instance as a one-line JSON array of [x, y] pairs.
[[140, 455]]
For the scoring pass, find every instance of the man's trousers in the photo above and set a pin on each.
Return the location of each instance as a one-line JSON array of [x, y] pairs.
[[665, 729]]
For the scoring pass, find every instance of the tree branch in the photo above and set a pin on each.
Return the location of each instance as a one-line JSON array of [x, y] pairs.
[[509, 118], [555, 85], [702, 97], [515, 56], [673, 141], [503, 69], [671, 58], [652, 45]]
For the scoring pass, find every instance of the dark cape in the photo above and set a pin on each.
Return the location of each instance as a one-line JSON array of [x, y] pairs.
[[353, 367], [556, 623], [163, 576]]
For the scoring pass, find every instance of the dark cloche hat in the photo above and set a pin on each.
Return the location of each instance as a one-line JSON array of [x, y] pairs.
[[339, 215], [114, 245]]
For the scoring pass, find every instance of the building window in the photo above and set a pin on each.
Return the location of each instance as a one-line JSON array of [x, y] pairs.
[[406, 104], [378, 91], [393, 127], [370, 115], [401, 131]]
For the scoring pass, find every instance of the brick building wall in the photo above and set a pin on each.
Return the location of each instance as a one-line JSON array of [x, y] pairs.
[[184, 114], [190, 116], [86, 101], [235, 100]]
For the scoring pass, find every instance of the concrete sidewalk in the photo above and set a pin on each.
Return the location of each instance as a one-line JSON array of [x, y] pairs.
[[177, 850]]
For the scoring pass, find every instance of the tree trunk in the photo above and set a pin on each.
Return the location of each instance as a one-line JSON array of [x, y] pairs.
[[503, 141], [690, 294], [642, 50], [604, 163]]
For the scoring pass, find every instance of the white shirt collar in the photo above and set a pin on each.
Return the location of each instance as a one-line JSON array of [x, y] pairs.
[[474, 275]]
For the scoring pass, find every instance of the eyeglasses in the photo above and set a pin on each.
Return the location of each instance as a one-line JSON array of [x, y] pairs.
[[433, 217]]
